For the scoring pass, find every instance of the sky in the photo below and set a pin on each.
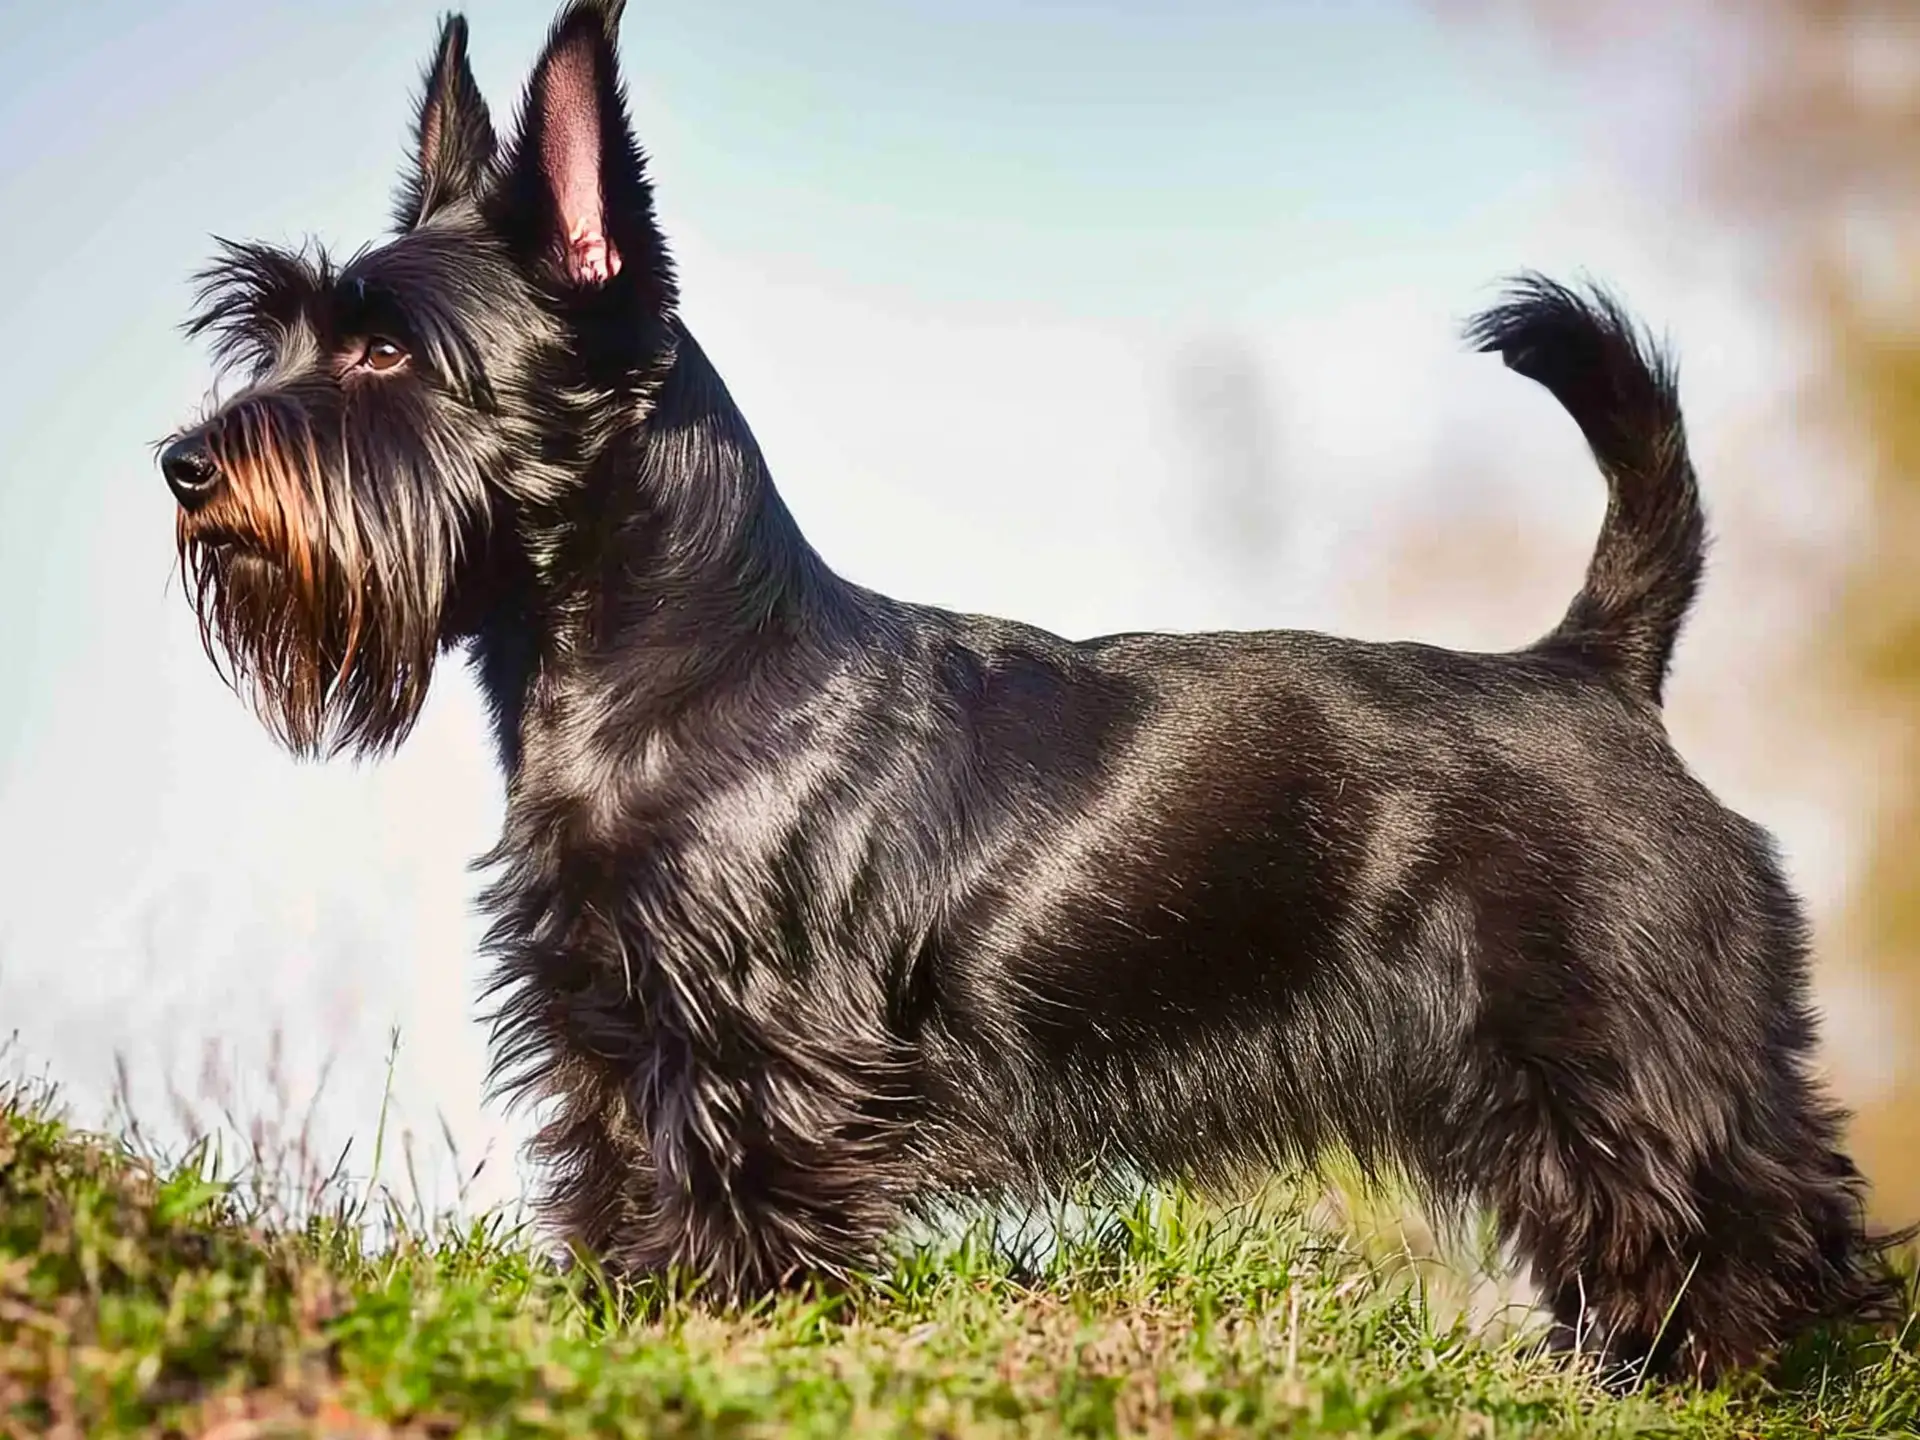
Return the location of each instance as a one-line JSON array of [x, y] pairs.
[[1106, 316]]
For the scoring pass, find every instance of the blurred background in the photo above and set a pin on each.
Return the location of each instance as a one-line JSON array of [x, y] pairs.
[[1119, 315]]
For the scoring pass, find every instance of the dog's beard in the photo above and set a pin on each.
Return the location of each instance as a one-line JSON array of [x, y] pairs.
[[324, 617]]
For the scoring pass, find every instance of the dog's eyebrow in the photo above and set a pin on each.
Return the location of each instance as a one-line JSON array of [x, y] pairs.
[[251, 298], [417, 315], [360, 301]]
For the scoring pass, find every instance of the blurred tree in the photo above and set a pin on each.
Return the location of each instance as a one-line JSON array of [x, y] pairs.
[[1801, 123]]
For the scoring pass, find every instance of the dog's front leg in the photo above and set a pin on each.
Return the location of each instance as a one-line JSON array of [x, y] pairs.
[[774, 1160], [597, 1189], [742, 1172]]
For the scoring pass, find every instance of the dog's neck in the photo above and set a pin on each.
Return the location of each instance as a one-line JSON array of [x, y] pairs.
[[674, 575]]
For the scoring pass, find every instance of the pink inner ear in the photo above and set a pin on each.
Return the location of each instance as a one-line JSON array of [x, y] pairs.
[[570, 148]]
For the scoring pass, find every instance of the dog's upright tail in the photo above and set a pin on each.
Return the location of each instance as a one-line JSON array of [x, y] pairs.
[[1622, 392]]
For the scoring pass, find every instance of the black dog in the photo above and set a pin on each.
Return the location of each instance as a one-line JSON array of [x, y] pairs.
[[814, 906]]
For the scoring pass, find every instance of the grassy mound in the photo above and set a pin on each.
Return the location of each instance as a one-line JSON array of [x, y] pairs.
[[143, 1300]]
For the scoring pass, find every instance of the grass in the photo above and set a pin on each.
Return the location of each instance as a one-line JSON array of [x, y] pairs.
[[139, 1298]]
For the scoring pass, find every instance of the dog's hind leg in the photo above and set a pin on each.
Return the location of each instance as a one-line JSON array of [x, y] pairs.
[[1782, 1243], [1685, 1222], [1662, 1267], [1595, 1207]]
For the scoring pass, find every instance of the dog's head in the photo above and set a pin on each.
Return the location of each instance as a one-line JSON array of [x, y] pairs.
[[395, 408]]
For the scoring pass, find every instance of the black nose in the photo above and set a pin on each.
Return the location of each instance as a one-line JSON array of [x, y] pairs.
[[190, 471]]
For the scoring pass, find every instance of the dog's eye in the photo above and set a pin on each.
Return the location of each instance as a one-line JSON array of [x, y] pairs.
[[382, 355]]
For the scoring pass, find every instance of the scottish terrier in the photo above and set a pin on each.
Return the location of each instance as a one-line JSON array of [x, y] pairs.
[[814, 908]]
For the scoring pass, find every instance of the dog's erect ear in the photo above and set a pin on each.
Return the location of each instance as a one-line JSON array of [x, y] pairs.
[[576, 201], [454, 134]]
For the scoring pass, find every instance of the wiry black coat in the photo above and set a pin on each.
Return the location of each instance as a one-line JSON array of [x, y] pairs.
[[812, 906]]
